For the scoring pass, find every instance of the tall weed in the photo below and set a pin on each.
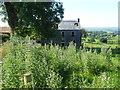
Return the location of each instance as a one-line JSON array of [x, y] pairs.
[[56, 67]]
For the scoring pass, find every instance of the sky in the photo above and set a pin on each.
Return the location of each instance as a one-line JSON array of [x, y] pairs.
[[92, 13]]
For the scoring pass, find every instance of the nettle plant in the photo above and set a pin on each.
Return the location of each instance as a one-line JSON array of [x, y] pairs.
[[56, 67]]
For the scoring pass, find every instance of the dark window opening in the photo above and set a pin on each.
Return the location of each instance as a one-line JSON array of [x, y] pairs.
[[62, 33], [73, 41], [73, 34], [63, 40], [57, 26], [62, 44]]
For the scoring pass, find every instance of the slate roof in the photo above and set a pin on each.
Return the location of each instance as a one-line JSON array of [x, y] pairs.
[[69, 25]]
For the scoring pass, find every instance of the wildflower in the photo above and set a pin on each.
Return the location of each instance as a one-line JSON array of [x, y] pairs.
[[108, 78], [46, 78], [66, 87], [103, 77], [1, 63]]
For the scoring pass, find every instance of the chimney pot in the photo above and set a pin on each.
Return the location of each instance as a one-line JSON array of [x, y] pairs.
[[78, 20]]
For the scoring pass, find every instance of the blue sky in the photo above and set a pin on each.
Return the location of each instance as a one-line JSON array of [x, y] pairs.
[[92, 13]]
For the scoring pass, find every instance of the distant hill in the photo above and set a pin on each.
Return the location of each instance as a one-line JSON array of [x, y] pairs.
[[112, 29]]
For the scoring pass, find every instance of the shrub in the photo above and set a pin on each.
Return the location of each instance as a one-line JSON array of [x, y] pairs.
[[5, 37], [103, 40], [3, 50], [56, 67], [91, 39]]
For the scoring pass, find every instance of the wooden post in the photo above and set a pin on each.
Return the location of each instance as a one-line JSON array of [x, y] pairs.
[[27, 78]]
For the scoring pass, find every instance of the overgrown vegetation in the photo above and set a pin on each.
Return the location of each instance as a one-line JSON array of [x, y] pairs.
[[57, 67], [5, 37]]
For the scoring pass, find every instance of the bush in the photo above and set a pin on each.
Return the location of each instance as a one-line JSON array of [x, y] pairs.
[[5, 37], [103, 40], [91, 39], [54, 66], [3, 50]]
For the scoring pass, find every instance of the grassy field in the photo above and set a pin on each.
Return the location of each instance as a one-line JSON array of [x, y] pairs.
[[100, 45]]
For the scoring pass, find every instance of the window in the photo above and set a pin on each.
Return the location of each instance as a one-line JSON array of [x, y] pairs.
[[73, 41], [56, 26], [62, 33], [73, 34], [63, 43]]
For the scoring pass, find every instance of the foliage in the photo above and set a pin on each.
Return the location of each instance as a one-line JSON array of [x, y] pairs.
[[57, 67], [4, 37], [104, 40], [100, 38], [3, 12], [3, 50], [91, 39], [39, 18], [84, 33], [103, 34]]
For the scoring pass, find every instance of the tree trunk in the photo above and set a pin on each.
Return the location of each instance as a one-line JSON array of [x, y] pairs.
[[12, 15]]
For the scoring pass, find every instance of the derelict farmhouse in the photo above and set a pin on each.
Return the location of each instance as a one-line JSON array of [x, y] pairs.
[[68, 31]]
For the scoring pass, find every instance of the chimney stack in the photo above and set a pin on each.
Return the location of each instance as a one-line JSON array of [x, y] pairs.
[[78, 20]]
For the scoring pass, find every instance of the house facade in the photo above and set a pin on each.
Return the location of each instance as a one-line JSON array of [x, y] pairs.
[[68, 31]]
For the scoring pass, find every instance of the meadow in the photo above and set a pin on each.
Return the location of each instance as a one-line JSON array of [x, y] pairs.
[[51, 66]]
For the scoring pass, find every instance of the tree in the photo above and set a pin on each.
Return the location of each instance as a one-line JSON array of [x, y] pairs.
[[39, 17], [12, 15], [91, 39], [84, 33], [103, 40]]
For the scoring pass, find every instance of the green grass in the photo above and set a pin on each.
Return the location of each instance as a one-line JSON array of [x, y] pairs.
[[100, 45]]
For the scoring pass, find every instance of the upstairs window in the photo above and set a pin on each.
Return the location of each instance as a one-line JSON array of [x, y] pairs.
[[73, 34], [62, 33]]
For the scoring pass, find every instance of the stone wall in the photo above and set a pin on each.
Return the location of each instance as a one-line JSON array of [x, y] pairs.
[[66, 36]]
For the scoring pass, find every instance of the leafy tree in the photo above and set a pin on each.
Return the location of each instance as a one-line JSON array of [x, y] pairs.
[[92, 39], [104, 40], [84, 33], [39, 17]]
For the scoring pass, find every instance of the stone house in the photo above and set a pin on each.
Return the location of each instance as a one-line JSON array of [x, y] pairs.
[[69, 31]]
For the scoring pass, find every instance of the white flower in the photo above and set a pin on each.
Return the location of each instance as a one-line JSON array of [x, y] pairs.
[[103, 77], [66, 87], [46, 78], [108, 78]]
